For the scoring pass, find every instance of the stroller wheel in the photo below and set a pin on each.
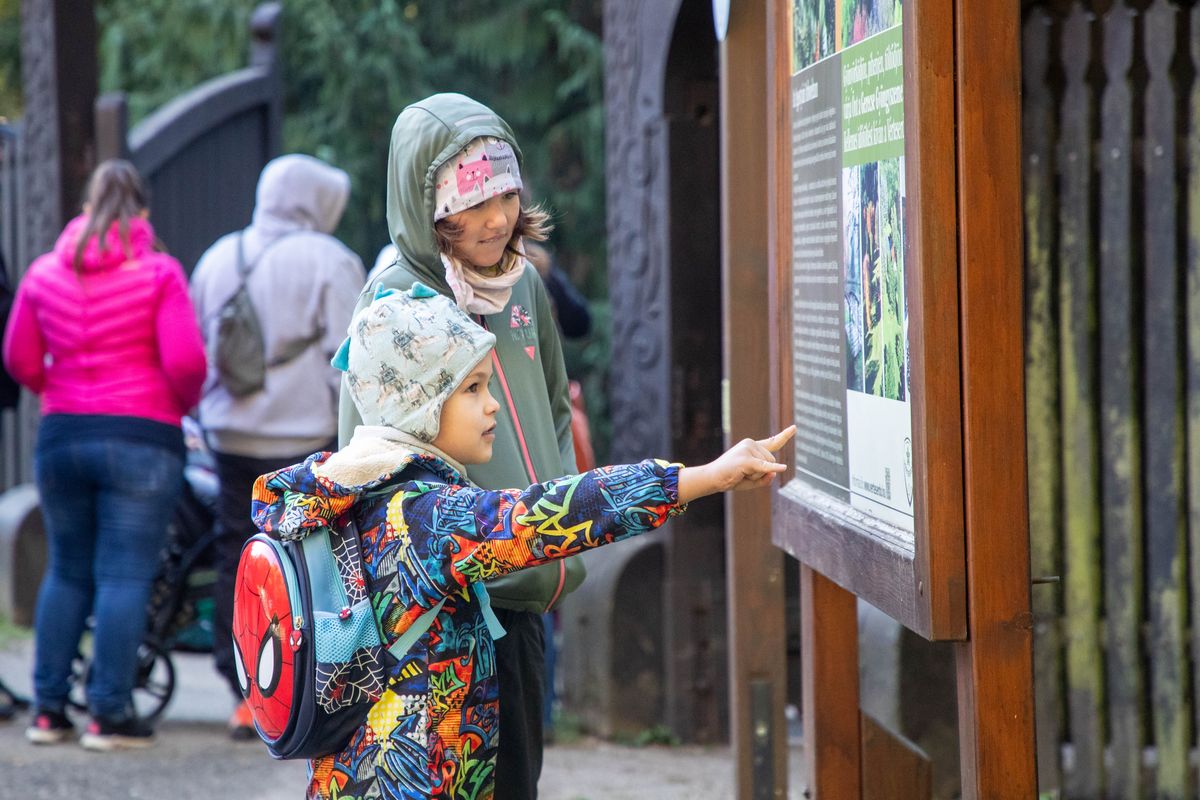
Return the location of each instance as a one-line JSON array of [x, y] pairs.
[[153, 683]]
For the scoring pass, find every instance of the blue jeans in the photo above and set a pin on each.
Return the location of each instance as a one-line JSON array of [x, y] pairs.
[[106, 502]]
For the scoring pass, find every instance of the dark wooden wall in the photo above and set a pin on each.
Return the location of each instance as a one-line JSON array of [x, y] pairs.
[[697, 699]]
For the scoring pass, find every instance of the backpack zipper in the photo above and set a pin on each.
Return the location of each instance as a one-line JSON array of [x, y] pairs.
[[293, 590], [512, 409]]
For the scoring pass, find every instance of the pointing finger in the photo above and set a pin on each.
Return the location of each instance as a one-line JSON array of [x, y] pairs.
[[776, 442]]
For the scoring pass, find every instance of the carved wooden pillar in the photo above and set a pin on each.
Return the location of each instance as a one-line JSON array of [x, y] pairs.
[[635, 50], [664, 280], [58, 64]]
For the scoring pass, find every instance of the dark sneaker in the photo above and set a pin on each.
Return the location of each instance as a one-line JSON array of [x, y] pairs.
[[49, 727], [241, 724], [10, 703], [105, 733]]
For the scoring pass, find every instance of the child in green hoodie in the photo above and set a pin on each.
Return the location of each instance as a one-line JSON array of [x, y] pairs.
[[418, 370], [454, 169]]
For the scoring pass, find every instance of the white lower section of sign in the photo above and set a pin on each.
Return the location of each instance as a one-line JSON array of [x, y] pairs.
[[879, 439]]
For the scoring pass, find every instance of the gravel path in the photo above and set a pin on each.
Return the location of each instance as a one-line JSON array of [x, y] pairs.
[[194, 759]]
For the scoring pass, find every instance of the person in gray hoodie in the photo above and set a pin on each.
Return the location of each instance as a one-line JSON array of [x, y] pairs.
[[303, 284]]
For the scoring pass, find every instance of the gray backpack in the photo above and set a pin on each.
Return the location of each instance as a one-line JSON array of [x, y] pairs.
[[238, 352]]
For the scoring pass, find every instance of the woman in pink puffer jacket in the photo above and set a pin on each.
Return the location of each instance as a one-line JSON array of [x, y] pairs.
[[103, 331]]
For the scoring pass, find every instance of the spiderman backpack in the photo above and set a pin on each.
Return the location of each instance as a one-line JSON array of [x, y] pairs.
[[309, 656]]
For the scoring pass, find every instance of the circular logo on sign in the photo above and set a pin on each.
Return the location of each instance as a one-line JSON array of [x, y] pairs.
[[908, 470]]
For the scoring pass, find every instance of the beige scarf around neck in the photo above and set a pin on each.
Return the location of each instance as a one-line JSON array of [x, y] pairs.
[[481, 294]]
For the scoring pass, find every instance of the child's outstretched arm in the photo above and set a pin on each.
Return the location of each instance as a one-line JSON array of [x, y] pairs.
[[749, 464], [461, 534]]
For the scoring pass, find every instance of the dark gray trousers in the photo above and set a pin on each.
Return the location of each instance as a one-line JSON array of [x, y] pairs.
[[521, 666]]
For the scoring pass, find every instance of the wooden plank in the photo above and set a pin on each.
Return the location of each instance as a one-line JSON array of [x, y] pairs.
[[829, 659], [1164, 435], [1192, 325], [757, 625], [994, 666], [892, 766], [877, 570], [1120, 449], [779, 224], [1043, 442], [932, 289], [1081, 485]]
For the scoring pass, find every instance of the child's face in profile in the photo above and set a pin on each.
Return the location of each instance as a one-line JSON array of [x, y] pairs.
[[486, 229], [468, 426]]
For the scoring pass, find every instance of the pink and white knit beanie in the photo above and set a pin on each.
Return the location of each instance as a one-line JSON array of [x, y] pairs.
[[486, 167]]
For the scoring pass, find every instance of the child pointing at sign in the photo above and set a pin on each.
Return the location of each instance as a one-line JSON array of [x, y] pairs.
[[418, 370]]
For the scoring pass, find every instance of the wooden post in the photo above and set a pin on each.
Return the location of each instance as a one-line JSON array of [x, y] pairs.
[[1081, 483], [1120, 433], [829, 654], [1044, 441], [757, 635], [265, 39], [112, 126], [1192, 360], [1164, 431], [58, 63], [995, 665]]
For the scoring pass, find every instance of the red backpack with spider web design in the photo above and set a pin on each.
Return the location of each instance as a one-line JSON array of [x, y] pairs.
[[310, 659]]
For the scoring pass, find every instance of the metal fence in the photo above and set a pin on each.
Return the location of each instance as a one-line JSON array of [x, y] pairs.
[[1112, 204]]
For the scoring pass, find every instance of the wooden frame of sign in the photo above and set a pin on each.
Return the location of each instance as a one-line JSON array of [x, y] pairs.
[[914, 573]]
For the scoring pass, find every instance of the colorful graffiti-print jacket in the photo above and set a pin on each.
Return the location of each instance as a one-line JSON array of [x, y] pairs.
[[425, 537]]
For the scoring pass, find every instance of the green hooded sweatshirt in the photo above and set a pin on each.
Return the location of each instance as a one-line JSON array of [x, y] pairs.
[[533, 430]]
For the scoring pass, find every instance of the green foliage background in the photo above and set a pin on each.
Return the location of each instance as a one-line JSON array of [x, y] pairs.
[[10, 59], [350, 66]]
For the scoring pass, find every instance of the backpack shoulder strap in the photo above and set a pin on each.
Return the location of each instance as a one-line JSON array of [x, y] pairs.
[[292, 349], [422, 623], [415, 631], [243, 269]]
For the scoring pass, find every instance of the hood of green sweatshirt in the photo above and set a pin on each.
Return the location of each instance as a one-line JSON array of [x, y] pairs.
[[426, 135]]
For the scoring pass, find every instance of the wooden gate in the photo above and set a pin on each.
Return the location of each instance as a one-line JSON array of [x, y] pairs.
[[1112, 204], [201, 153]]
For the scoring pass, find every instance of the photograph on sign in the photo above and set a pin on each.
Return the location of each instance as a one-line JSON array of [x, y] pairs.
[[849, 310]]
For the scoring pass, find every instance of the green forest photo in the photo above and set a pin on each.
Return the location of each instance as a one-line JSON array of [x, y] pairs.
[[876, 316]]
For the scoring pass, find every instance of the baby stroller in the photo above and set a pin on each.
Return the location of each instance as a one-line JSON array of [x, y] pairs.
[[179, 614]]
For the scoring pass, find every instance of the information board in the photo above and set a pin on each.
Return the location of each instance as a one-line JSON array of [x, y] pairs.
[[864, 155], [850, 318]]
